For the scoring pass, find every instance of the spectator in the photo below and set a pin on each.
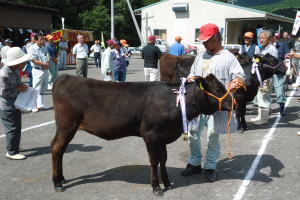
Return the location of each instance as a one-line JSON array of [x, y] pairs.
[[151, 54], [119, 63], [128, 55], [248, 46], [53, 70], [8, 44], [279, 80], [297, 62], [28, 67], [10, 86], [177, 49], [63, 46], [32, 42], [288, 41], [107, 62], [280, 46], [227, 69], [81, 50], [263, 97], [40, 66], [96, 49]]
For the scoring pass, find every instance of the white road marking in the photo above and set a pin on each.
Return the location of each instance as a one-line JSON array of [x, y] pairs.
[[243, 187], [32, 127]]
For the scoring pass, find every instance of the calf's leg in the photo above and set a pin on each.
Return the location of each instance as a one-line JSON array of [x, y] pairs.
[[58, 147], [238, 119], [153, 152], [243, 120], [163, 170]]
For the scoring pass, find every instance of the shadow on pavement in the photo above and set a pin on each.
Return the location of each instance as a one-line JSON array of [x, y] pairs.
[[235, 168], [71, 147]]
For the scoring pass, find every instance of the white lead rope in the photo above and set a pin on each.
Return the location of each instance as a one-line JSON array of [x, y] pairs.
[[181, 100], [255, 70]]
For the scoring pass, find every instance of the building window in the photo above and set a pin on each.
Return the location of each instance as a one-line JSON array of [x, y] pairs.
[[160, 33], [197, 33]]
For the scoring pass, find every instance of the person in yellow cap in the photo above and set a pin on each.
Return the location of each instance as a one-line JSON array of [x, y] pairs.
[[53, 53], [177, 48], [248, 46]]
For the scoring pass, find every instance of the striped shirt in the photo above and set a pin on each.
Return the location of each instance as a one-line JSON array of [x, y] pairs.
[[9, 82], [225, 67]]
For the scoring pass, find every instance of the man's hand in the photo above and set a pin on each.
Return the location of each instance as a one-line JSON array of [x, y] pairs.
[[46, 66], [22, 88], [235, 83], [190, 79]]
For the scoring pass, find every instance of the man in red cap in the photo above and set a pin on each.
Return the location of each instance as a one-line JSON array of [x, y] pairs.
[[227, 69], [248, 47], [151, 54], [107, 63]]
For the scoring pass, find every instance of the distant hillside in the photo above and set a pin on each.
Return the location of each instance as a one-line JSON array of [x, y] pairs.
[[285, 8], [252, 3]]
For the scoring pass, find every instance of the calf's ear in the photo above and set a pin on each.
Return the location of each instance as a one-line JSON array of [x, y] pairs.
[[201, 83]]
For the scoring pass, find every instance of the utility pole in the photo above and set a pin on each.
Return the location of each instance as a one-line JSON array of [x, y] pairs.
[[112, 21], [136, 24]]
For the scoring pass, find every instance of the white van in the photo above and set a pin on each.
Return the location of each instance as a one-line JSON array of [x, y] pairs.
[[162, 45]]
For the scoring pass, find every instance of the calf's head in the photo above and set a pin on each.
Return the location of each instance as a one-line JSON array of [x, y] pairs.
[[207, 90], [269, 65]]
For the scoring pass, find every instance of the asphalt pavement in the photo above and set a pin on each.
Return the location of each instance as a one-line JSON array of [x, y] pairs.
[[265, 165]]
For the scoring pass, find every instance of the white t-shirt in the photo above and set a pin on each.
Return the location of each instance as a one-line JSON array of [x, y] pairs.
[[81, 50], [96, 48]]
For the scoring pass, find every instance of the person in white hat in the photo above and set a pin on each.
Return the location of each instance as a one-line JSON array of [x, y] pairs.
[[10, 86]]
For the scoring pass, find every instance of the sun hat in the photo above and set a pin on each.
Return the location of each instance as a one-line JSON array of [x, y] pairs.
[[151, 38], [15, 56], [207, 31], [110, 42], [178, 38]]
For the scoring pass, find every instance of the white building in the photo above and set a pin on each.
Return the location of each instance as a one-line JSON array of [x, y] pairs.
[[169, 18]]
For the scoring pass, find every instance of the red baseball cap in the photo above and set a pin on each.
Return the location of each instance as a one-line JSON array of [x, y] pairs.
[[32, 35], [110, 42], [207, 31], [151, 38]]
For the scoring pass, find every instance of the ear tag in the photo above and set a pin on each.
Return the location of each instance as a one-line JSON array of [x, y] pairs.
[[257, 60], [237, 56], [201, 86]]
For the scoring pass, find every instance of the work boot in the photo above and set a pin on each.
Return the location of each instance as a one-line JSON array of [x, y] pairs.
[[210, 175], [258, 116], [191, 170], [265, 112], [282, 110]]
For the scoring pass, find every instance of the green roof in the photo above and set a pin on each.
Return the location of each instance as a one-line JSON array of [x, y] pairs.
[[230, 5]]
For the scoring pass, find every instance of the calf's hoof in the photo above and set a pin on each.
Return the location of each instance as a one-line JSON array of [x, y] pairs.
[[64, 181], [59, 188], [158, 192], [170, 187], [240, 130]]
